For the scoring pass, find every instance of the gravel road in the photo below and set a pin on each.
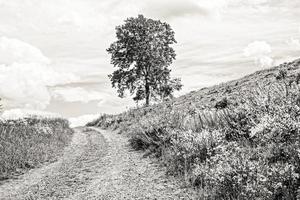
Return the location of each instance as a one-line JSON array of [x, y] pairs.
[[98, 164]]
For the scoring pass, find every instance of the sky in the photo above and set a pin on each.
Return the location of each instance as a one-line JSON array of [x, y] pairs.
[[53, 52]]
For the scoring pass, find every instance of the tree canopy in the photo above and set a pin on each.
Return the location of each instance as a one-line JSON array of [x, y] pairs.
[[142, 55]]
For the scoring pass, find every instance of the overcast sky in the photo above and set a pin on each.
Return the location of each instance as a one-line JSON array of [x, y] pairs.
[[53, 52]]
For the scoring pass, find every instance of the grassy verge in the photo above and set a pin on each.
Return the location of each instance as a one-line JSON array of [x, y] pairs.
[[245, 149], [28, 142]]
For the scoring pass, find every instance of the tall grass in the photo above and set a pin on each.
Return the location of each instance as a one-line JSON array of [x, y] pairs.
[[28, 142], [248, 149]]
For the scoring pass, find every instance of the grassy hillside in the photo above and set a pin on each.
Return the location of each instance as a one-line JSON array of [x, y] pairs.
[[28, 142], [237, 140]]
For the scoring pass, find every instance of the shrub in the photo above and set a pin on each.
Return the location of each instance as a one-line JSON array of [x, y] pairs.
[[28, 142], [222, 104], [249, 149], [282, 74]]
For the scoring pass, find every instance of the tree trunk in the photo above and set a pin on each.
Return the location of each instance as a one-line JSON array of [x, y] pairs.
[[147, 91]]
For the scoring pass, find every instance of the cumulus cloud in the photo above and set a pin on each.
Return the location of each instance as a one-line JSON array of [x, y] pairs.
[[257, 48], [26, 85], [14, 50], [76, 94], [259, 51], [265, 61], [82, 120], [25, 75], [294, 43]]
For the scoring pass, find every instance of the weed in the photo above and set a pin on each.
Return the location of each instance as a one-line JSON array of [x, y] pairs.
[[248, 149], [26, 143]]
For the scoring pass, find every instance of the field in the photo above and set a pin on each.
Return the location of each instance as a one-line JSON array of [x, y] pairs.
[[237, 140], [27, 143]]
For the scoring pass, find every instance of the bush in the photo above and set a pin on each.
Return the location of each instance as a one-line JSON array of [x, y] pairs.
[[26, 143], [249, 149], [266, 163], [222, 104]]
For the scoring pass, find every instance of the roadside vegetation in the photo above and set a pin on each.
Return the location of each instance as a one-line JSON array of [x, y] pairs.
[[238, 140], [27, 143]]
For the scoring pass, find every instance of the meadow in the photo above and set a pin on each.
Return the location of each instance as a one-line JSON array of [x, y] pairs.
[[236, 140], [28, 142]]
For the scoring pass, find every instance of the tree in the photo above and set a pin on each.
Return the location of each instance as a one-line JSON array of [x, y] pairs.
[[167, 89], [142, 54]]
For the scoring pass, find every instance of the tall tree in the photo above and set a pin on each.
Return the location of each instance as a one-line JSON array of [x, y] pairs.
[[143, 54]]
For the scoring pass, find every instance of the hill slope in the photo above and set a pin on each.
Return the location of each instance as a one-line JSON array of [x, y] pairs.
[[236, 140], [207, 97]]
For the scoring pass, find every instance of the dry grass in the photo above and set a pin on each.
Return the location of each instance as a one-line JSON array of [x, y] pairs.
[[238, 140], [26, 143]]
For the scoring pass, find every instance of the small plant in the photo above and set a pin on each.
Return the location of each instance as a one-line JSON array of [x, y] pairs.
[[297, 79], [228, 89], [222, 104], [282, 74]]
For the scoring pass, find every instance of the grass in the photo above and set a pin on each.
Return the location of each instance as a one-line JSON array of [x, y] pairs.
[[29, 142], [238, 140]]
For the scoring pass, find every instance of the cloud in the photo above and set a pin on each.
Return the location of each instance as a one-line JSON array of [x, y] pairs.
[[34, 16], [71, 18], [25, 75], [26, 85], [176, 8], [14, 50], [75, 34], [101, 102], [82, 120], [259, 51], [76, 94], [294, 43], [179, 8], [82, 17], [213, 8], [265, 61]]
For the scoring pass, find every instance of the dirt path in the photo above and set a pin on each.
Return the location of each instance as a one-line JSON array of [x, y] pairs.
[[98, 164]]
